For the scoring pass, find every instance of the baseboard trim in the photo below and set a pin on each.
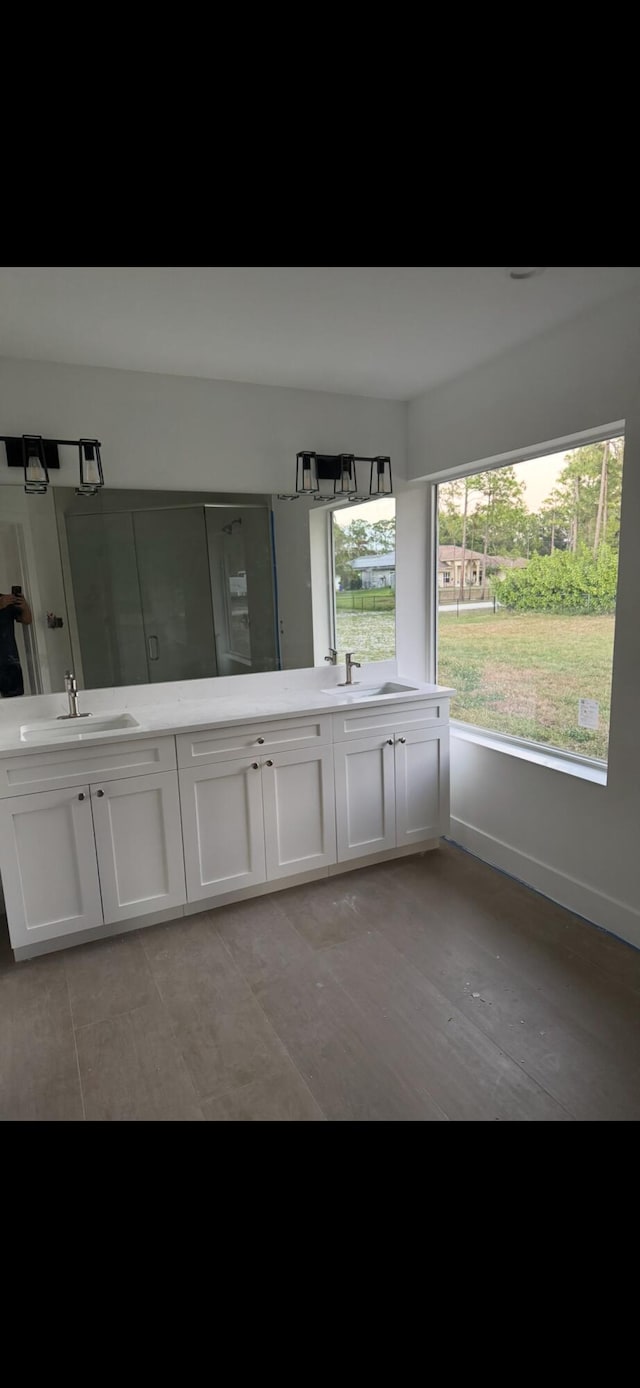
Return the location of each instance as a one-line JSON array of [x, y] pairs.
[[614, 916]]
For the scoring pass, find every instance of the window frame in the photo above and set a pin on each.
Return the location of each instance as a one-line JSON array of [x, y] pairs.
[[333, 613], [559, 759]]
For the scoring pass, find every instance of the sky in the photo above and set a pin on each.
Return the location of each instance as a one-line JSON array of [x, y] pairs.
[[538, 474], [384, 509]]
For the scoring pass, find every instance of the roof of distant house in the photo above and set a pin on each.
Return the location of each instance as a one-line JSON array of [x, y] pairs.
[[448, 553], [375, 561]]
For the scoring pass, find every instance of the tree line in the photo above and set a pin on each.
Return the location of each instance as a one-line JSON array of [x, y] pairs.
[[487, 512]]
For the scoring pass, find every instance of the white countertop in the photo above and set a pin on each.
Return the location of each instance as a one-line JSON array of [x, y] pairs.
[[194, 715]]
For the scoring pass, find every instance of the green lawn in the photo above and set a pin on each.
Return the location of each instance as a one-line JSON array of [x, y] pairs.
[[523, 673]]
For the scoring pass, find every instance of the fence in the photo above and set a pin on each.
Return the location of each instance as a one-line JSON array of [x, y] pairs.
[[365, 600], [474, 593], [462, 607]]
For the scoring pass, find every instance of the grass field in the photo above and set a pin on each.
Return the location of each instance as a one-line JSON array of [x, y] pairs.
[[524, 673], [370, 635]]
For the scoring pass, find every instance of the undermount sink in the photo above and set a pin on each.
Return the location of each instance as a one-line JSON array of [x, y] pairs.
[[371, 691], [47, 728]]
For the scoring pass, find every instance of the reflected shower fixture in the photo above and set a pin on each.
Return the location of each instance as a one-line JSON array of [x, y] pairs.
[[228, 529], [312, 469], [37, 456]]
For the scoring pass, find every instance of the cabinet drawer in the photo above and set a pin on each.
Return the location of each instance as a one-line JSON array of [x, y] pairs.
[[366, 722], [40, 771], [221, 744]]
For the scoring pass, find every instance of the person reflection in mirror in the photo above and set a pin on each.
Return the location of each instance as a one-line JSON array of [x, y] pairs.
[[13, 608]]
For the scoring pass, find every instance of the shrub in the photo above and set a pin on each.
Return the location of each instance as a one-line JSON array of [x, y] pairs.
[[562, 582]]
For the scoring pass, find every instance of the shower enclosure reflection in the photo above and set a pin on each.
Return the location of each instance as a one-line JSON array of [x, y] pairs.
[[140, 587], [172, 592]]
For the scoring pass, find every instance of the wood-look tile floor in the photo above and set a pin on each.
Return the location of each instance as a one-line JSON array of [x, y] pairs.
[[430, 987]]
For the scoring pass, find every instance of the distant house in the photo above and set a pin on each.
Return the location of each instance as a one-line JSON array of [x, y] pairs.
[[379, 570], [376, 570], [450, 566]]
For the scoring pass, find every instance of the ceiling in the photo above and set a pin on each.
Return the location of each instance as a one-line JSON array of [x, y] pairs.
[[388, 331]]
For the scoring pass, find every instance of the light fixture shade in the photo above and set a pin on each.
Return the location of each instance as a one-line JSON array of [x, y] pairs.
[[345, 483], [381, 483], [36, 476], [306, 473], [91, 478]]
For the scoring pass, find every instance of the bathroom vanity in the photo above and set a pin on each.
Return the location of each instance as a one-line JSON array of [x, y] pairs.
[[158, 810]]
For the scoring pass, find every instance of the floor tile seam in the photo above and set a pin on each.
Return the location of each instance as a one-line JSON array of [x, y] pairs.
[[500, 1050]]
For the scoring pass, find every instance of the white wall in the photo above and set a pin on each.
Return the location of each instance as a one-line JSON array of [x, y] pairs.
[[177, 432], [577, 841]]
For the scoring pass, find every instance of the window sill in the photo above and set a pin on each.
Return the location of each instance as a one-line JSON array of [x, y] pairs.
[[571, 765]]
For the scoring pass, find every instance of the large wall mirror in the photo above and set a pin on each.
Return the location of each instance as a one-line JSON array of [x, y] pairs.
[[142, 587]]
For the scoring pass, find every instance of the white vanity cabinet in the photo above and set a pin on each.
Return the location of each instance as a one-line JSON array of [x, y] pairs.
[[49, 865], [391, 778], [249, 820], [139, 845], [299, 811], [80, 856], [222, 827], [117, 834]]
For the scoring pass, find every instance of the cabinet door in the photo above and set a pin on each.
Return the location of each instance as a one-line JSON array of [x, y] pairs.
[[299, 815], [48, 863], [422, 775], [139, 844], [365, 797], [223, 828]]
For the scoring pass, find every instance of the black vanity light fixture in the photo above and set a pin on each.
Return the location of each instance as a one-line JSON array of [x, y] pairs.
[[91, 478], [36, 456], [339, 469], [307, 473], [36, 473], [381, 483]]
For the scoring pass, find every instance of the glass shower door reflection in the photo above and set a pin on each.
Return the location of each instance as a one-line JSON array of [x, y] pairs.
[[242, 588], [173, 571]]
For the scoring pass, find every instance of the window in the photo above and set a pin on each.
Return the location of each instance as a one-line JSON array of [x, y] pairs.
[[363, 543], [526, 629]]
